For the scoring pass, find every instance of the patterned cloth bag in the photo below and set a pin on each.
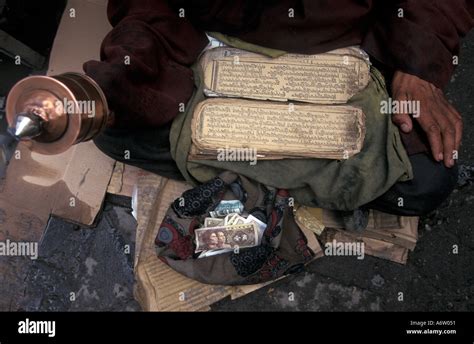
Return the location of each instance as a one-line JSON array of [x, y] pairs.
[[283, 249]]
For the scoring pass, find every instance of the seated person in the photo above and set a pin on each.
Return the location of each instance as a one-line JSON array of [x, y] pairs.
[[414, 43]]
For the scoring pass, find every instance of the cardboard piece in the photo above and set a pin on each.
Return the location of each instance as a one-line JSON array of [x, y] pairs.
[[387, 236], [83, 26], [405, 236], [372, 247], [124, 179], [309, 218], [149, 188], [313, 243], [70, 185], [399, 230]]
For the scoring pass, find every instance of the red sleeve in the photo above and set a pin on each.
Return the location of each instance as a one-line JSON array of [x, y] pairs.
[[160, 46], [424, 40]]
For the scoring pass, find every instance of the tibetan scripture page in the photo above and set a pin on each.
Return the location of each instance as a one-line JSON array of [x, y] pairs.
[[329, 78], [277, 130]]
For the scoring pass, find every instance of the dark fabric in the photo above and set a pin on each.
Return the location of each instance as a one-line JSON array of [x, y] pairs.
[[422, 42], [148, 149], [162, 45], [431, 185], [415, 141], [283, 249]]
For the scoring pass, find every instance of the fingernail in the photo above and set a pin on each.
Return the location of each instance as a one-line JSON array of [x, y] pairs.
[[440, 156], [405, 127]]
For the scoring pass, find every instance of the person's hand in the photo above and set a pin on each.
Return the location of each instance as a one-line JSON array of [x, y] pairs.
[[437, 117]]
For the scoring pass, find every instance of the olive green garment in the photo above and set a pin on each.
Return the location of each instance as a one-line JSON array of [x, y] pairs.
[[238, 43], [329, 184]]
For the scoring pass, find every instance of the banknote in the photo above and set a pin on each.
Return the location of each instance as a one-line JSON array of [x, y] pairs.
[[232, 236], [238, 220], [233, 219], [261, 226], [227, 207], [213, 222]]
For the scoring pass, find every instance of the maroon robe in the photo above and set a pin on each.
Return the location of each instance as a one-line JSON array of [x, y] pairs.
[[419, 37]]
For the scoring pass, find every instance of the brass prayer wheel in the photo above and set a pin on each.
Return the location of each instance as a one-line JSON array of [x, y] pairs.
[[53, 113]]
